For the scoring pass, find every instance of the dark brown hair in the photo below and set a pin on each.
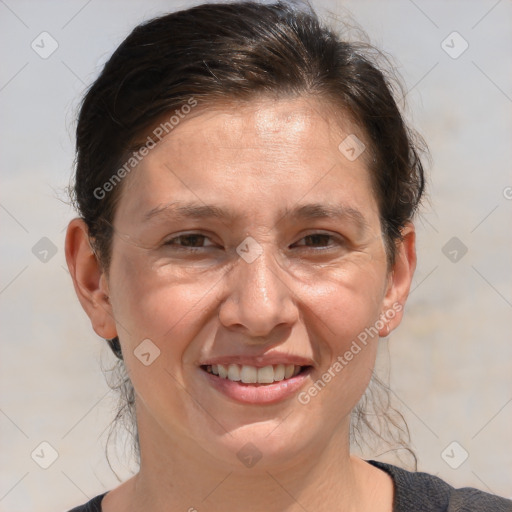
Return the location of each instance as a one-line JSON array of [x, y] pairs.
[[220, 52]]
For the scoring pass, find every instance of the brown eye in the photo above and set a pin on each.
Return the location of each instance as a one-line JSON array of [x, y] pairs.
[[192, 240], [319, 240], [189, 241]]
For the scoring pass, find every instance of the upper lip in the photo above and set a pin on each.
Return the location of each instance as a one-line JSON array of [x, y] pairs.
[[259, 361]]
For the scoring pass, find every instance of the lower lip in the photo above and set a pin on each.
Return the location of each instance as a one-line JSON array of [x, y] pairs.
[[258, 393]]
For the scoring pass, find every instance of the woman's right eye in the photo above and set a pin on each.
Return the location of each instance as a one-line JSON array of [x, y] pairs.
[[190, 242]]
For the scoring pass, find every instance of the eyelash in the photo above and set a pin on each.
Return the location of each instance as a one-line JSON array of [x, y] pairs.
[[172, 241]]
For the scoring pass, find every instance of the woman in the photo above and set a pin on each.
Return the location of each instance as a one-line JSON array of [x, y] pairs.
[[246, 188]]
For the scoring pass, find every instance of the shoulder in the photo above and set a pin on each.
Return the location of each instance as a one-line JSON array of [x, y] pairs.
[[91, 506], [417, 491]]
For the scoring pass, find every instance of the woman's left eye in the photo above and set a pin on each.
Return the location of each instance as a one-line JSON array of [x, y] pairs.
[[319, 240]]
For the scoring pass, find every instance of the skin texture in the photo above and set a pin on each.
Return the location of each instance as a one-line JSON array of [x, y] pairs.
[[304, 296]]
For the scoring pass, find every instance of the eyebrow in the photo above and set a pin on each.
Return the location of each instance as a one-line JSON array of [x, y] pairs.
[[308, 211]]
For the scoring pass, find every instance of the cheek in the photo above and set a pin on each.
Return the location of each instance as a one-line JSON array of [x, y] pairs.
[[162, 304], [170, 309], [343, 312], [346, 322], [347, 299]]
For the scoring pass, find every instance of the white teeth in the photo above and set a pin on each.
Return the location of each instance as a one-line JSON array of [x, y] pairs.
[[253, 375], [289, 369], [279, 371], [249, 374], [233, 372], [266, 374]]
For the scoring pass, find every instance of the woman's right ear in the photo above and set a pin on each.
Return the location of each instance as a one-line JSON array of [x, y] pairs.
[[89, 279]]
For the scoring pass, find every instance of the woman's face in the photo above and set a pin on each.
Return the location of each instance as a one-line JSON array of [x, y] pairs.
[[248, 239]]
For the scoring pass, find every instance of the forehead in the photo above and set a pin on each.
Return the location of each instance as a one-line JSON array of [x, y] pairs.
[[268, 126], [251, 150]]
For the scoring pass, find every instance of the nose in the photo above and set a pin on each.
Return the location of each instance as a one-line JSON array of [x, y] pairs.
[[258, 299]]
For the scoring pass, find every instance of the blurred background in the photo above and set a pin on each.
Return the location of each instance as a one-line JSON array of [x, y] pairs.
[[450, 362]]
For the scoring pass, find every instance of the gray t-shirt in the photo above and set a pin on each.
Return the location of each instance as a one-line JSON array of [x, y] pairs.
[[414, 492], [422, 492]]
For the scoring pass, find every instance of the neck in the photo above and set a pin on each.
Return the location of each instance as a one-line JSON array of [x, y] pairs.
[[180, 475]]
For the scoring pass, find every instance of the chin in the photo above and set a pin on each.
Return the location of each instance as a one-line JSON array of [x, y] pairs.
[[263, 445]]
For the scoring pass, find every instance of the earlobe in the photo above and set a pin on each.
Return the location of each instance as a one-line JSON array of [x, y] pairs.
[[400, 280], [89, 279]]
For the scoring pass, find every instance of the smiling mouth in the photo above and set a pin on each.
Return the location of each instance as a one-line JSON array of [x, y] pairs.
[[247, 374]]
